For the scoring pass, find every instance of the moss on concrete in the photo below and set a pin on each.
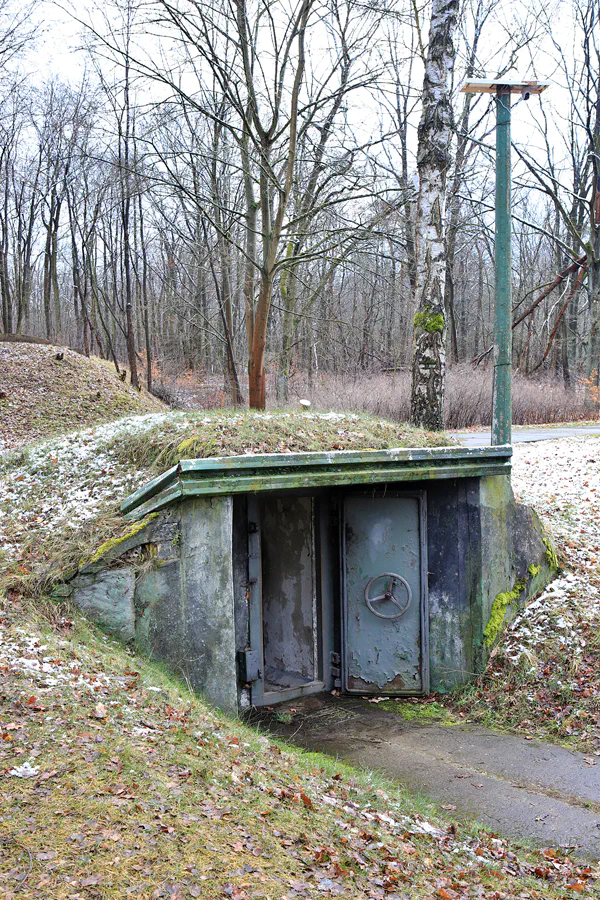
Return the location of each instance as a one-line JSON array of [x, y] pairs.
[[109, 545], [551, 557], [499, 610]]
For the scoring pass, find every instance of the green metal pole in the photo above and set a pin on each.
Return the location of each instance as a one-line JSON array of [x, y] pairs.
[[502, 406]]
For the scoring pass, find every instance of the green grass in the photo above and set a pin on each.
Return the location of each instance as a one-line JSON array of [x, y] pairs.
[[140, 785], [233, 433]]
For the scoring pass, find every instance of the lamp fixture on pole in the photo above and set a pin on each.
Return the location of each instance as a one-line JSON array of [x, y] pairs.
[[502, 401]]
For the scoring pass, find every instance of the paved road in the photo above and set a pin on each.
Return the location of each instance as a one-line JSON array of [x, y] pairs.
[[527, 790], [522, 434]]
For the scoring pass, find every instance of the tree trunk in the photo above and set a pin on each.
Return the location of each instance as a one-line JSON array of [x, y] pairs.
[[433, 162]]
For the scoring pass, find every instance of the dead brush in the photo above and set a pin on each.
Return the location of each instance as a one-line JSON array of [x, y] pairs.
[[468, 400]]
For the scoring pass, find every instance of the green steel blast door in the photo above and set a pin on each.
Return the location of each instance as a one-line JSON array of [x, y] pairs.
[[385, 616]]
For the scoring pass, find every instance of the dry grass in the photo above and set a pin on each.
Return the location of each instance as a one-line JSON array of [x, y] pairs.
[[132, 787], [236, 433], [468, 397], [47, 390], [59, 501]]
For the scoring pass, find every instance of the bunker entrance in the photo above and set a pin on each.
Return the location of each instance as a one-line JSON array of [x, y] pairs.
[[291, 630], [366, 572], [286, 633], [337, 594]]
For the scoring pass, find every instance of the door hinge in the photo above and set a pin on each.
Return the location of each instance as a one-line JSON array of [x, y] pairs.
[[249, 665]]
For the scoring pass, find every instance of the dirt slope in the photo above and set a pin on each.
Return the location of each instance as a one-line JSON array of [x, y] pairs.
[[42, 395]]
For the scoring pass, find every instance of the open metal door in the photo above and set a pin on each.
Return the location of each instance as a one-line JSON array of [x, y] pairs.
[[384, 552], [284, 660]]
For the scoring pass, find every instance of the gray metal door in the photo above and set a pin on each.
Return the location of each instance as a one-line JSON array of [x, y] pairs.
[[385, 616]]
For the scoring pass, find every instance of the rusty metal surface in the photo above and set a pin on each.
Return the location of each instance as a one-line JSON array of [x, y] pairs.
[[384, 628], [288, 591]]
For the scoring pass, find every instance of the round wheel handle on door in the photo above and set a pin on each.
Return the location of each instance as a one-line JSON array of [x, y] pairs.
[[388, 595]]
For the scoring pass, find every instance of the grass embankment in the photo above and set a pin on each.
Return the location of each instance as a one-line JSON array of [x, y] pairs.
[[116, 781], [59, 500], [48, 390]]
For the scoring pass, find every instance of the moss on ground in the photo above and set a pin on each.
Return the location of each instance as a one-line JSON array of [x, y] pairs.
[[425, 712]]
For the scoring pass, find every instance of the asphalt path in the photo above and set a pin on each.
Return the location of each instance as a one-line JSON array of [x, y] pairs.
[[523, 434]]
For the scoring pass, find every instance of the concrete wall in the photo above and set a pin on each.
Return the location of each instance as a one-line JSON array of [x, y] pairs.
[[481, 545], [175, 597]]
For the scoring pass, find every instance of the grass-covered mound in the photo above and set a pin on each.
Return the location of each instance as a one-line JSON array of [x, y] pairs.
[[115, 781], [228, 433], [46, 390], [59, 500]]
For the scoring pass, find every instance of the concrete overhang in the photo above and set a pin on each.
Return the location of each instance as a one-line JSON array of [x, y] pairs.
[[292, 471]]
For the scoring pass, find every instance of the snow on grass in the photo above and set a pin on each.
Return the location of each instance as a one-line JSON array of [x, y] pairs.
[[57, 486], [61, 498], [544, 676], [561, 480]]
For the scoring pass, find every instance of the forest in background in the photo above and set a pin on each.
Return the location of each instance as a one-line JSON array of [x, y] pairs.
[[230, 171]]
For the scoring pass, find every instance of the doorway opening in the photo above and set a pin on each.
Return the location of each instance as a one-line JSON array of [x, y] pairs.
[[291, 627]]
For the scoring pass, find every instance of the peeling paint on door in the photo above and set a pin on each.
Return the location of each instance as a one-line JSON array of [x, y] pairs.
[[385, 619]]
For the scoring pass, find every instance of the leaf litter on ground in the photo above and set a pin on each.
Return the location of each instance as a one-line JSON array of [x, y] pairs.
[[116, 781]]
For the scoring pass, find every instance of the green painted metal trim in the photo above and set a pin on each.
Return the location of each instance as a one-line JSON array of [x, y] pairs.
[[151, 489], [269, 472], [338, 457], [502, 404]]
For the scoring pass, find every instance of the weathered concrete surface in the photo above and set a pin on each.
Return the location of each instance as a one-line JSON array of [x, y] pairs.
[[480, 544], [205, 608], [528, 790], [172, 594], [107, 599]]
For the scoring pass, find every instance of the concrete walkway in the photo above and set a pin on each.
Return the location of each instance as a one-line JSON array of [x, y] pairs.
[[521, 434], [539, 793]]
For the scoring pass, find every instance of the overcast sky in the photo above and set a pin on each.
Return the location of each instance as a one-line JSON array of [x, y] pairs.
[[60, 53]]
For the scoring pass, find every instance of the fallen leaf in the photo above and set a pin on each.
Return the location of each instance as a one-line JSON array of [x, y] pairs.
[[306, 800]]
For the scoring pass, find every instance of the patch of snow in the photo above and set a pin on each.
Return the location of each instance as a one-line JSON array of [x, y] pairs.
[[26, 770], [561, 481]]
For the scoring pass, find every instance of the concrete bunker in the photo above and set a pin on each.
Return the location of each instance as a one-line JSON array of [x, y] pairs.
[[263, 578]]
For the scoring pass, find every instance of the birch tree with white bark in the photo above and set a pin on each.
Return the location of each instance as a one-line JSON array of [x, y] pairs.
[[433, 162]]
